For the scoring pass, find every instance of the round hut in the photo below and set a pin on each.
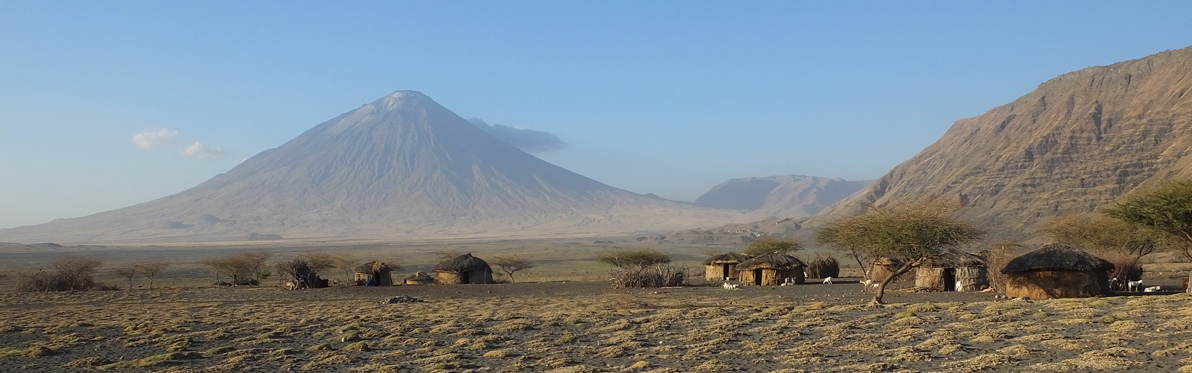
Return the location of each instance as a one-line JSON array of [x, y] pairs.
[[720, 267], [883, 267], [463, 269], [1057, 271], [373, 273], [771, 269], [954, 270], [419, 278]]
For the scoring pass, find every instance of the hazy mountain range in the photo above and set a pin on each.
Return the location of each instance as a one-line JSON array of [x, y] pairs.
[[781, 196], [402, 166]]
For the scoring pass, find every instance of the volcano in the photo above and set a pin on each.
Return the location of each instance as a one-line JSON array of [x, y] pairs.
[[401, 166]]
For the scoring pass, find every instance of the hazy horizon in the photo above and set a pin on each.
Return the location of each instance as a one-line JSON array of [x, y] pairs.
[[107, 105]]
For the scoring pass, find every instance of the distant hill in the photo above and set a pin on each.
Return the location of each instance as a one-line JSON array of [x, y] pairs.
[[1074, 144], [402, 166], [789, 196]]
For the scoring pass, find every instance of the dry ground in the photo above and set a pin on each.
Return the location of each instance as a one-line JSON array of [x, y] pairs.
[[587, 327]]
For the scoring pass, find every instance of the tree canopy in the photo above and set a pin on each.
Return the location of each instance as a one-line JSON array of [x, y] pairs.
[[907, 233], [1167, 207]]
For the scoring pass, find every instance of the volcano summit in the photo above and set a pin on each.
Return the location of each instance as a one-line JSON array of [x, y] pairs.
[[401, 166]]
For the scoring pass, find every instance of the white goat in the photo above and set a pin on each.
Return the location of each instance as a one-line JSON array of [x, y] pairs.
[[1113, 284], [959, 286], [1153, 289], [1135, 285], [731, 286], [828, 280]]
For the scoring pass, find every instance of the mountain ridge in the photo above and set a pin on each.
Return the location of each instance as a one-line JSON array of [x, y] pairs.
[[401, 166], [1076, 142]]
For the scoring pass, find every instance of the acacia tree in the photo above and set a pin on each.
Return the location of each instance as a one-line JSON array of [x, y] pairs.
[[910, 234], [304, 269], [1102, 234], [127, 272], [240, 267], [765, 245], [1166, 208], [150, 270], [511, 264]]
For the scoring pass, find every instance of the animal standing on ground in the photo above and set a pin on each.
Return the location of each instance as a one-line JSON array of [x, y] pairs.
[[1135, 285], [828, 280]]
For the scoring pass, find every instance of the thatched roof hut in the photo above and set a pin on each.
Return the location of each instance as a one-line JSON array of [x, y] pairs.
[[374, 273], [722, 266], [419, 278], [954, 270], [1057, 271], [463, 269], [771, 269]]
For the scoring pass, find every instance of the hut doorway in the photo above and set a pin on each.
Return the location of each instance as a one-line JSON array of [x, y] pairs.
[[726, 269], [757, 277], [465, 277], [949, 279]]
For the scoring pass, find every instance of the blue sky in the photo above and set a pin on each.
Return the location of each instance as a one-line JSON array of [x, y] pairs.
[[665, 97]]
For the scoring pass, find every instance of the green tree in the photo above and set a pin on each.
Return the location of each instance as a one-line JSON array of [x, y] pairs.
[[910, 234], [765, 245], [1166, 207], [1102, 234]]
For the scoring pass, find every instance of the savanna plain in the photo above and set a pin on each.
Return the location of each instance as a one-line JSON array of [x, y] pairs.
[[563, 316]]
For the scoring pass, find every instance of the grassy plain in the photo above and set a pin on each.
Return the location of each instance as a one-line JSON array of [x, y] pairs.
[[580, 325]]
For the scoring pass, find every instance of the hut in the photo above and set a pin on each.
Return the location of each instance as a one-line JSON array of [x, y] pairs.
[[771, 269], [373, 273], [1057, 271], [419, 278], [954, 270], [463, 269], [883, 267], [720, 267]]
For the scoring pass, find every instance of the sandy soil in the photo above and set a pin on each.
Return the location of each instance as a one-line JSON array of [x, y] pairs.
[[587, 327]]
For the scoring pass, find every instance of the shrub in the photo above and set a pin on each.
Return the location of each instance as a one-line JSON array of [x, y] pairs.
[[71, 273], [633, 258]]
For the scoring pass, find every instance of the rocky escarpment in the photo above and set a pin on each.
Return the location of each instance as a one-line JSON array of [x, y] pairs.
[[1076, 143]]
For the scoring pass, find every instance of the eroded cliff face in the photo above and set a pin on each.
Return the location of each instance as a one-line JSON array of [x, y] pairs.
[[1074, 144]]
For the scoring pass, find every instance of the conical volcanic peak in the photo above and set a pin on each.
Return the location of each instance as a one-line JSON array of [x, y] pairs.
[[1074, 144], [400, 166]]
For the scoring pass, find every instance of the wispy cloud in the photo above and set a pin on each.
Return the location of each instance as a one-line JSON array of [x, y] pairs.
[[197, 150], [153, 138], [529, 140]]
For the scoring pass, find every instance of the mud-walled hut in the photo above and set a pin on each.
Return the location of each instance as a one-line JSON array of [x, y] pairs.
[[463, 269], [1057, 271], [771, 270], [954, 270], [722, 266], [373, 273], [419, 278]]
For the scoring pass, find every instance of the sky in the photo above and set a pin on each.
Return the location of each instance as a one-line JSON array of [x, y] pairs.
[[107, 104]]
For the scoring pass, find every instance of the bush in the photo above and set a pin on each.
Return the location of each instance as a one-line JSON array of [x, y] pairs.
[[71, 273], [660, 276], [823, 267], [1125, 269]]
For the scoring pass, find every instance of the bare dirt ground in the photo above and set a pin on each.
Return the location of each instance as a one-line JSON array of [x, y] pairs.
[[587, 327]]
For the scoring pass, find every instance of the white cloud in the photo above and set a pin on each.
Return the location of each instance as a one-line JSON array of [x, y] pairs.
[[158, 137], [199, 151]]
